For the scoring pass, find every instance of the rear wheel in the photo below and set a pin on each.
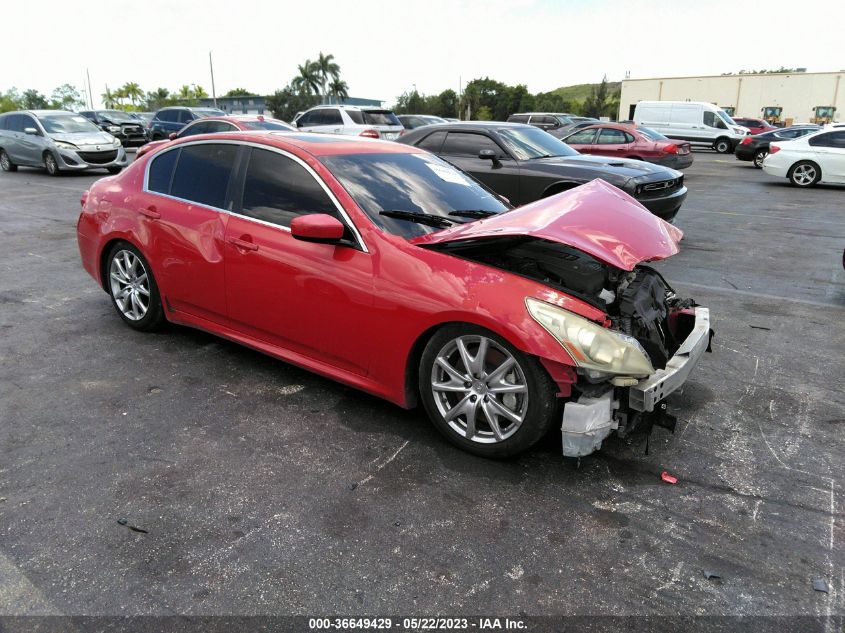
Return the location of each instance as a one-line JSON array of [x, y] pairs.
[[483, 394], [759, 157], [6, 163], [804, 174], [50, 164], [722, 145], [133, 288]]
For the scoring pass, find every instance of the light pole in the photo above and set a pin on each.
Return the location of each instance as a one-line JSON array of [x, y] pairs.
[[213, 91]]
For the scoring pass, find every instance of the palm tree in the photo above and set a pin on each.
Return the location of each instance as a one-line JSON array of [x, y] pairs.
[[339, 89], [308, 80], [119, 95], [326, 68], [132, 91], [108, 98], [199, 92], [185, 92]]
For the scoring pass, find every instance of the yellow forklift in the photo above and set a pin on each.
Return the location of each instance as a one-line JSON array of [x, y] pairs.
[[771, 114], [823, 115]]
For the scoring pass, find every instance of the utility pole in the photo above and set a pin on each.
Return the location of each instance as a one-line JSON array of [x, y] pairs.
[[90, 96], [213, 92]]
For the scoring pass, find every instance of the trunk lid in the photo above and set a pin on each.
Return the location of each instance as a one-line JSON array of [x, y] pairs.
[[596, 218]]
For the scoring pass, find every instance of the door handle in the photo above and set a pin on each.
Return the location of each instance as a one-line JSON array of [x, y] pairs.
[[151, 212], [248, 246]]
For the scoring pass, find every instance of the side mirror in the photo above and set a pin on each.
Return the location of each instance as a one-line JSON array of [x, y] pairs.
[[30, 130], [317, 227], [172, 136], [489, 154]]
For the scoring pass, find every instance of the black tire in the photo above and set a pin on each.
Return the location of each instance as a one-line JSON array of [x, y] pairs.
[[51, 164], [114, 170], [154, 315], [804, 174], [6, 163], [157, 137], [759, 157], [723, 145], [540, 412]]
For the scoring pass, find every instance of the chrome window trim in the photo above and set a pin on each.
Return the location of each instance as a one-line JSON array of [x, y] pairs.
[[358, 239]]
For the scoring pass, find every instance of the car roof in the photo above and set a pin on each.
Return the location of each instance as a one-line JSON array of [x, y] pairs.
[[478, 125], [315, 144], [347, 107]]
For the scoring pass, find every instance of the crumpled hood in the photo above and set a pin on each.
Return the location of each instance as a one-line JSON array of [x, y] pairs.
[[85, 138], [596, 218]]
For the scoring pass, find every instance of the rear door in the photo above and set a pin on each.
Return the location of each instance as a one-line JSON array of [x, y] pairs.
[[502, 175], [583, 140], [829, 150], [184, 207], [613, 142], [12, 136], [312, 299]]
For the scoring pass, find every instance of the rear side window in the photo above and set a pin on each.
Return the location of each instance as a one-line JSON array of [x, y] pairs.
[[610, 136], [166, 115], [161, 172], [330, 116], [203, 172], [463, 144], [185, 116], [356, 116], [518, 118], [831, 139], [3, 119], [277, 189], [433, 142], [380, 118]]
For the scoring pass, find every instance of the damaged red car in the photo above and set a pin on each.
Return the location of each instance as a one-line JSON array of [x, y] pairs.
[[383, 267]]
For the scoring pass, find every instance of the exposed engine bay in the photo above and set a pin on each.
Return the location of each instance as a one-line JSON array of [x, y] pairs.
[[673, 332]]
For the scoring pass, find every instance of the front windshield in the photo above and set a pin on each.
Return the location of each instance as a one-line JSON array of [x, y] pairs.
[[727, 119], [116, 116], [267, 125], [66, 124], [530, 142], [417, 183], [654, 135]]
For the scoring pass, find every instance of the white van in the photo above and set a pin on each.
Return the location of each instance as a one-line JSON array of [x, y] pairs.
[[694, 121]]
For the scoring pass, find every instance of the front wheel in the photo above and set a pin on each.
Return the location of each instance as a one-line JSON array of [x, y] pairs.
[[483, 394], [804, 174], [114, 170], [133, 288], [6, 163], [759, 157], [50, 164], [722, 145]]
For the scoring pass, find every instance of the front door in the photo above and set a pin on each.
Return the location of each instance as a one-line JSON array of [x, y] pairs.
[[312, 299], [501, 175]]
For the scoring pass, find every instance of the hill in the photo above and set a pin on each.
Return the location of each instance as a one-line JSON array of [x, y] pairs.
[[580, 92]]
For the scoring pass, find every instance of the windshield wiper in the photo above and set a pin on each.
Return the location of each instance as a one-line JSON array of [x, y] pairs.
[[472, 213], [419, 218]]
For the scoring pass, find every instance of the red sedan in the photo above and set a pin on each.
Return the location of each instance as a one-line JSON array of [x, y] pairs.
[[209, 125], [755, 126], [383, 267], [628, 141]]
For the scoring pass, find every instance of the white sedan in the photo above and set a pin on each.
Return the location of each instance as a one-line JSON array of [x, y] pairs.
[[805, 161]]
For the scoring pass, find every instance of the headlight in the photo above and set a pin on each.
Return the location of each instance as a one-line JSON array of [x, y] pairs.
[[63, 145], [113, 128], [591, 346], [117, 142]]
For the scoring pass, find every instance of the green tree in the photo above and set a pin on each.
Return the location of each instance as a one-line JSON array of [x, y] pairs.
[[132, 91], [240, 92], [66, 97], [339, 89], [484, 114], [597, 103], [285, 103], [185, 92], [198, 92], [326, 70], [10, 100], [157, 99], [446, 104], [108, 98], [33, 100], [307, 80]]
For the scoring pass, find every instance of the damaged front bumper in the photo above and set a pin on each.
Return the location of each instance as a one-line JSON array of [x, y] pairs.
[[587, 421]]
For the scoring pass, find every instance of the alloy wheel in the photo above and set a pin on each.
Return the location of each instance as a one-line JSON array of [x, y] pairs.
[[130, 285], [804, 175], [479, 389], [5, 163], [50, 164], [759, 157]]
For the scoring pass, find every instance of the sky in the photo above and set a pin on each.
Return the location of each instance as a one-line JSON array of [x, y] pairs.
[[387, 48]]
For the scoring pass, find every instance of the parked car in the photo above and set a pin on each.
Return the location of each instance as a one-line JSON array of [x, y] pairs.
[[145, 117], [697, 122], [629, 141], [524, 163], [368, 122], [119, 124], [57, 141], [313, 250], [169, 120], [756, 148], [558, 124], [810, 159], [755, 126], [234, 123], [413, 121]]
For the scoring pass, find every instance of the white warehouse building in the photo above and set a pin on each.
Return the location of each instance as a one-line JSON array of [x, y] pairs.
[[797, 93]]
